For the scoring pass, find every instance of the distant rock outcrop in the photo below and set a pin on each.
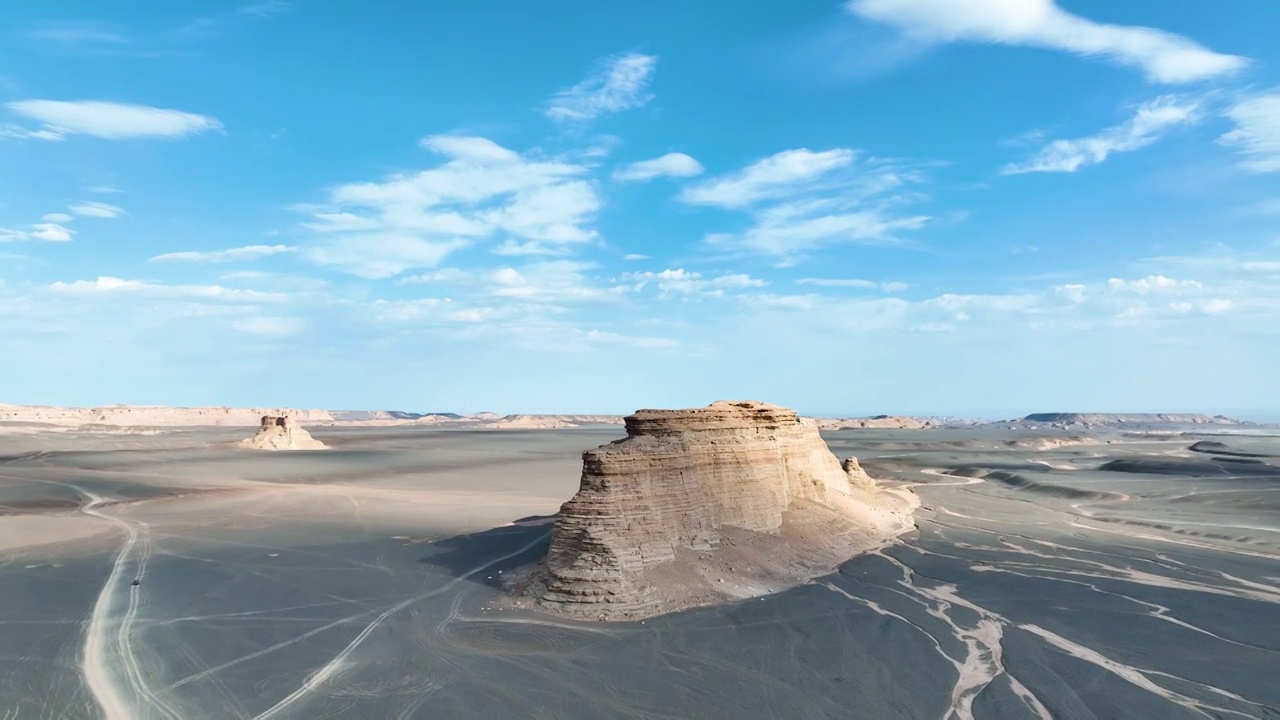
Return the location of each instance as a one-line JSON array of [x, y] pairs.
[[281, 433], [732, 500]]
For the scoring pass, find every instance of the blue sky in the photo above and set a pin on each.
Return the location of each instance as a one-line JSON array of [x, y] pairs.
[[978, 207]]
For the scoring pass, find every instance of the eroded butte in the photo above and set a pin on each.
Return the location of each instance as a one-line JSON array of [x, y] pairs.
[[700, 506], [281, 433]]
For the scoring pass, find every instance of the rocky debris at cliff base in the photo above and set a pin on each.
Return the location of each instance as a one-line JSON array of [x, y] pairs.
[[737, 499], [281, 433]]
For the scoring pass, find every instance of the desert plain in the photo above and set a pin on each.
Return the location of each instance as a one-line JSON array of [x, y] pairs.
[[1095, 572]]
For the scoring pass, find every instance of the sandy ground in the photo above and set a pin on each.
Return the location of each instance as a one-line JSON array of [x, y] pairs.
[[1123, 579]]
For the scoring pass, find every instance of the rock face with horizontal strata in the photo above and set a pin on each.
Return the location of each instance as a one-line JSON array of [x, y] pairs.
[[684, 480], [281, 433]]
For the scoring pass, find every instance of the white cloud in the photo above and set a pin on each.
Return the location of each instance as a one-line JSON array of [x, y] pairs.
[[51, 232], [1257, 132], [1216, 306], [1152, 284], [109, 120], [18, 132], [800, 200], [414, 220], [104, 189], [463, 147], [889, 287], [683, 282], [248, 252], [268, 326], [619, 83], [632, 257], [612, 338], [555, 282], [533, 247], [670, 165], [958, 305], [851, 283], [936, 327], [46, 231], [547, 283], [1163, 57], [97, 210], [382, 255], [58, 218], [1152, 120], [775, 176], [141, 288]]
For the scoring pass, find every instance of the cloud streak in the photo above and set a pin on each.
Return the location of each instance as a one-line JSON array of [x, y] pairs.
[[1151, 121], [1163, 57], [97, 210], [248, 252], [109, 120]]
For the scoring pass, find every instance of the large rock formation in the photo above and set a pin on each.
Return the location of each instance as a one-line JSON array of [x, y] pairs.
[[281, 433], [732, 500]]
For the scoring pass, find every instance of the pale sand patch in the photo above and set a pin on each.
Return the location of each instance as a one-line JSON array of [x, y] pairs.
[[22, 532]]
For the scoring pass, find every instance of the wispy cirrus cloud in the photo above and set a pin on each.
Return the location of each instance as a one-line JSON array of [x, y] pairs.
[[1150, 122], [108, 120], [1257, 132], [854, 283], [1163, 57], [143, 288], [248, 252], [676, 165], [213, 25], [800, 200], [97, 210], [618, 83], [78, 34], [45, 231]]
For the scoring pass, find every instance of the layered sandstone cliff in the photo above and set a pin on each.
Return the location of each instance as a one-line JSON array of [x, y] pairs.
[[732, 500], [281, 433]]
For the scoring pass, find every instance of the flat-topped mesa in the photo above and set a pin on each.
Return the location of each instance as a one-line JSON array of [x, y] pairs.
[[685, 480], [1109, 419], [281, 433]]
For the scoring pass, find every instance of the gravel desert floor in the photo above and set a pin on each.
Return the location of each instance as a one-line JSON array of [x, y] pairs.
[[170, 575]]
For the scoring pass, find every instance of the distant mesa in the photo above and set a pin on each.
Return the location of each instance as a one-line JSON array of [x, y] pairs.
[[1121, 419], [889, 422], [281, 433], [698, 506], [548, 422]]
